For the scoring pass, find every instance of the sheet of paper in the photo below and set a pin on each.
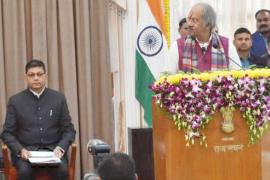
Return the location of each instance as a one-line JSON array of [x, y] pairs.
[[43, 157]]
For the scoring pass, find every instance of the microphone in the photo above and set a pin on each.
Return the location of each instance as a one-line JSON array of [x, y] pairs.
[[217, 48]]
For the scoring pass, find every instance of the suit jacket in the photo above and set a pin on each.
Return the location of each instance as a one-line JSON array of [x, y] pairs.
[[35, 123], [261, 62], [258, 47]]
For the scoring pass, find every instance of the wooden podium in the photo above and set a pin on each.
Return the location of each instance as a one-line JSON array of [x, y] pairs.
[[227, 157]]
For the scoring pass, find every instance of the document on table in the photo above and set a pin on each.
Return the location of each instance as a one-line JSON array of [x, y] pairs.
[[43, 157]]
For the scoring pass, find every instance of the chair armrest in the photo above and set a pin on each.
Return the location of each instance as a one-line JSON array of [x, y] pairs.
[[72, 162]]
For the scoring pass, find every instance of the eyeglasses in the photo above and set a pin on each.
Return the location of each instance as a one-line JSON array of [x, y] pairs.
[[32, 75]]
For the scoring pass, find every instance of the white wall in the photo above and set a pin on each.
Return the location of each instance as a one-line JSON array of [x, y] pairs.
[[231, 14], [121, 3], [132, 107]]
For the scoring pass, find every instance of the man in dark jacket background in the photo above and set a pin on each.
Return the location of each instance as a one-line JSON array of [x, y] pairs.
[[259, 38], [263, 60]]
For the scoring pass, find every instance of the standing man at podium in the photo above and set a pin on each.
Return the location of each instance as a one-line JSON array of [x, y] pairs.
[[38, 119], [203, 49]]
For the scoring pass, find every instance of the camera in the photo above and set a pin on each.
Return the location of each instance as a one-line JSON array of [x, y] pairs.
[[99, 150]]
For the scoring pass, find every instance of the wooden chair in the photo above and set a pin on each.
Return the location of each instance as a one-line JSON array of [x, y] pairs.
[[11, 173]]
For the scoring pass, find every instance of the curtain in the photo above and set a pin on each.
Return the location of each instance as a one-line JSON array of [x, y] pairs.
[[72, 38], [116, 16]]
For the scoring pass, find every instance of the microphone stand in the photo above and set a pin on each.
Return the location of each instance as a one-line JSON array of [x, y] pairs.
[[227, 56]]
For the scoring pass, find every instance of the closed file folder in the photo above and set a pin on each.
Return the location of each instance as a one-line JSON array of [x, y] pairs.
[[43, 157]]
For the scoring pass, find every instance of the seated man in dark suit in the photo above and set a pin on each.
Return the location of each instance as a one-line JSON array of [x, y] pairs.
[[117, 166], [38, 118]]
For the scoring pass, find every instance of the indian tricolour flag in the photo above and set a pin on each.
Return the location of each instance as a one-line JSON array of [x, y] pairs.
[[151, 50]]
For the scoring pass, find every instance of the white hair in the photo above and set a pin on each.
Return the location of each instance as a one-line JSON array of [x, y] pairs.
[[209, 15]]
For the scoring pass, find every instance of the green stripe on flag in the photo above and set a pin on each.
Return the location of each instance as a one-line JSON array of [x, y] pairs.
[[143, 78]]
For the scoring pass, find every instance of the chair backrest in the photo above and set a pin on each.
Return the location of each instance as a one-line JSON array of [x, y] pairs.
[[11, 173]]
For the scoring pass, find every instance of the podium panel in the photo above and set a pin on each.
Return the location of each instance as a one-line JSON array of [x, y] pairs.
[[228, 155]]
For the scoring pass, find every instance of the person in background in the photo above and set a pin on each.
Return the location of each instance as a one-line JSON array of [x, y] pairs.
[[264, 60], [183, 28], [259, 38], [203, 49], [117, 166], [183, 32], [243, 42], [38, 119]]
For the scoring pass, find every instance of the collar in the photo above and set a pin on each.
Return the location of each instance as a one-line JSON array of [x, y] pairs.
[[204, 44], [244, 59], [38, 94]]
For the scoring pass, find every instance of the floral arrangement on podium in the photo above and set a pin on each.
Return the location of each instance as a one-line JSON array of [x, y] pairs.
[[192, 99]]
